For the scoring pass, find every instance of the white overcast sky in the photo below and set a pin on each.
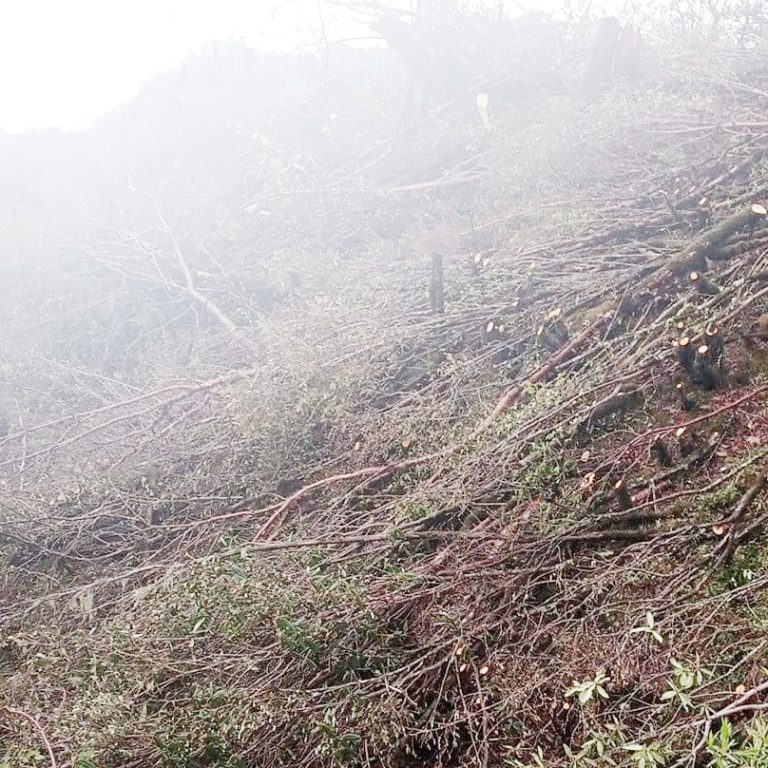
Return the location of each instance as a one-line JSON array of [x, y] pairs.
[[63, 63]]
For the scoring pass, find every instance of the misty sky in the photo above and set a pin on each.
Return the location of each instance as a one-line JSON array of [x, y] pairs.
[[65, 62]]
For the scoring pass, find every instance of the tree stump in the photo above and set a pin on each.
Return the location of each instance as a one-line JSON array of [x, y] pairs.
[[436, 290]]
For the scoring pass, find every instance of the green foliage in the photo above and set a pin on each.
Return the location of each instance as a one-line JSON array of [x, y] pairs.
[[417, 511], [597, 749], [402, 576], [649, 628], [720, 746], [85, 761], [654, 754], [301, 637], [209, 733], [745, 564], [535, 399], [22, 758], [338, 745], [589, 690], [717, 501], [725, 750], [536, 760], [685, 680], [199, 664], [544, 468], [202, 741]]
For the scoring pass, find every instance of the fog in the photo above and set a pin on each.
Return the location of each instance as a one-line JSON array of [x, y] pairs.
[[66, 64], [383, 385]]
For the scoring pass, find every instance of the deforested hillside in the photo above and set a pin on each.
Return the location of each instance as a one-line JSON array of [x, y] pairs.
[[357, 416]]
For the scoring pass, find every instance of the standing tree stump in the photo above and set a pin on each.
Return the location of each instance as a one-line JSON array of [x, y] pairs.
[[436, 291]]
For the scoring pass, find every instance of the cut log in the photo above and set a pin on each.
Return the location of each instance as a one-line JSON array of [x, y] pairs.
[[708, 245]]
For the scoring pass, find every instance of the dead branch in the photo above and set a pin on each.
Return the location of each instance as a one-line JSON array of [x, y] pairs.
[[36, 725]]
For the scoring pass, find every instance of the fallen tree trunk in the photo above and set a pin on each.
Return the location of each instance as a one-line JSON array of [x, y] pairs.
[[708, 245]]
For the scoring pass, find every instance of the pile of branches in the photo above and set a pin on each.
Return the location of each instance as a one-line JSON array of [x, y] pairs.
[[526, 531]]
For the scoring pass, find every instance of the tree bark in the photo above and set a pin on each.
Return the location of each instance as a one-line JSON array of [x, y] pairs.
[[709, 244], [436, 290]]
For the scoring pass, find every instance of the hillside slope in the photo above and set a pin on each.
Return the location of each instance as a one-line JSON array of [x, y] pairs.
[[261, 506]]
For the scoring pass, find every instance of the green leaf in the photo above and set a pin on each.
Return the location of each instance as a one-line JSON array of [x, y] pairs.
[[85, 762]]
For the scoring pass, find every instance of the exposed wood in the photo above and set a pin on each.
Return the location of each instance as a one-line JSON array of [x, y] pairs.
[[728, 545], [708, 245], [436, 286]]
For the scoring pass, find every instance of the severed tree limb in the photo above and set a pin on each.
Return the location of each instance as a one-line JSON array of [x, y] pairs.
[[39, 728], [191, 289], [369, 474], [176, 392], [744, 533], [189, 286], [622, 397], [366, 474], [711, 245], [651, 510], [729, 173], [727, 546], [708, 245], [739, 705], [513, 393]]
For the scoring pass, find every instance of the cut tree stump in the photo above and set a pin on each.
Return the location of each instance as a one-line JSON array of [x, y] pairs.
[[436, 290]]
